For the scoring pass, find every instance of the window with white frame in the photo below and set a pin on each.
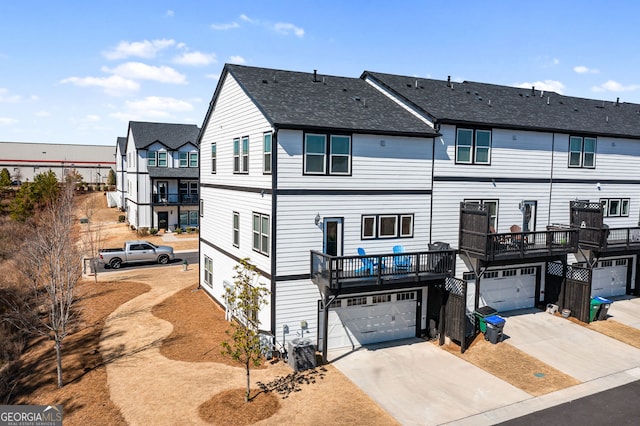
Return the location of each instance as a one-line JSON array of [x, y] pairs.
[[208, 271], [214, 165], [152, 158], [184, 162], [492, 209], [236, 229], [236, 155], [615, 207], [322, 157], [261, 233], [193, 159], [245, 154], [582, 152], [473, 146], [267, 153], [387, 226], [241, 155], [162, 158]]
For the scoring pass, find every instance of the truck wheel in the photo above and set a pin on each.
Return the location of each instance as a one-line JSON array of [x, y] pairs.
[[115, 263], [163, 259]]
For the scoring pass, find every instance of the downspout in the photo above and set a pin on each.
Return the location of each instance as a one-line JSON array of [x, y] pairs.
[[553, 143], [433, 166], [274, 200]]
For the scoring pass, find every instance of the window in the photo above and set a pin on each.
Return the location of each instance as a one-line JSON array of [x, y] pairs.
[[368, 227], [236, 229], [162, 159], [321, 158], [266, 168], [245, 154], [491, 274], [356, 301], [387, 226], [183, 159], [383, 298], [201, 208], [582, 152], [261, 233], [411, 295], [241, 155], [492, 208], [509, 272], [193, 159], [615, 207], [189, 219], [151, 158], [213, 158], [208, 271], [473, 146]]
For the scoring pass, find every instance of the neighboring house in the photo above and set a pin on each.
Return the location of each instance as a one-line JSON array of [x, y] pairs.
[[298, 172], [121, 173], [26, 160], [161, 175], [525, 155]]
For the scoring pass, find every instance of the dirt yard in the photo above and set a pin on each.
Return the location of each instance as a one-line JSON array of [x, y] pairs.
[[149, 345]]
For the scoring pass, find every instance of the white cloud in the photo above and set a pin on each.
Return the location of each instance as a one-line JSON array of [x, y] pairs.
[[245, 18], [43, 114], [92, 118], [224, 27], [195, 58], [112, 85], [581, 69], [614, 86], [287, 28], [5, 97], [140, 71], [152, 107], [546, 85], [170, 13], [213, 76], [237, 60], [556, 61], [7, 120], [142, 49]]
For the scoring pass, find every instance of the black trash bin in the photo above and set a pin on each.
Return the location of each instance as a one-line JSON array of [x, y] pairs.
[[495, 328], [438, 262], [604, 308]]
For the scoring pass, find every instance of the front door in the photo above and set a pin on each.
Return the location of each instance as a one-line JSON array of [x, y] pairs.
[[332, 244], [163, 220], [529, 216]]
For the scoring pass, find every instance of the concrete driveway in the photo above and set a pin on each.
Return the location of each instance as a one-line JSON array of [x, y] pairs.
[[568, 347], [626, 310], [419, 383]]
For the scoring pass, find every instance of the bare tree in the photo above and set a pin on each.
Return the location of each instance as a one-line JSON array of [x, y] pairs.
[[52, 266], [92, 238], [246, 299]]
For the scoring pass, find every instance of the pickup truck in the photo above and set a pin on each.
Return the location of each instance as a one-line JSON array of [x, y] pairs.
[[135, 252]]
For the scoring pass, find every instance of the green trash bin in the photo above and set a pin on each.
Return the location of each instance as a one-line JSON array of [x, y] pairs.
[[594, 307], [481, 314]]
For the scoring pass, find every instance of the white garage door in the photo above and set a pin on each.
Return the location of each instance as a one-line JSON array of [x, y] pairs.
[[509, 289], [363, 320], [609, 278]]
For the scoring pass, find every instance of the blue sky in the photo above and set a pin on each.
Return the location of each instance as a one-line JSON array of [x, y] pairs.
[[78, 71]]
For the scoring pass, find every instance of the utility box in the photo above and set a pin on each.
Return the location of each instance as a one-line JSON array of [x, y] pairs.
[[302, 354]]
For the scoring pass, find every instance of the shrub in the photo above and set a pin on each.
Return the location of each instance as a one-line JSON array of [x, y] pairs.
[[153, 231], [178, 230], [133, 228], [121, 218], [143, 232]]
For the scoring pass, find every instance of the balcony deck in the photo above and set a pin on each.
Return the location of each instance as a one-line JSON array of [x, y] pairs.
[[510, 246], [174, 199], [337, 273], [610, 240]]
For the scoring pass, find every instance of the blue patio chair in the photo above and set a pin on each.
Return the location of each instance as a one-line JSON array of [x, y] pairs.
[[368, 264], [401, 263]]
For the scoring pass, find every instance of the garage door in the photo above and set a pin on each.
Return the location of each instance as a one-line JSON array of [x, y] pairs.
[[509, 289], [610, 278], [363, 320]]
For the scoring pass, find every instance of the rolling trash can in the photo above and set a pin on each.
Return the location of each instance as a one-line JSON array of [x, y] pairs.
[[604, 308], [482, 313], [495, 328]]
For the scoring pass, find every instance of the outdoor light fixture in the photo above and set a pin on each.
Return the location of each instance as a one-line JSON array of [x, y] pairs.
[[598, 186], [317, 219]]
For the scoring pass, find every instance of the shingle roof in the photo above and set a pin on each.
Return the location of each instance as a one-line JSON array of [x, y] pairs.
[[503, 106], [174, 172], [122, 145], [173, 136], [292, 99]]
